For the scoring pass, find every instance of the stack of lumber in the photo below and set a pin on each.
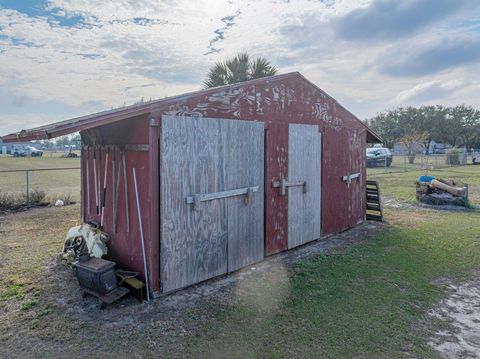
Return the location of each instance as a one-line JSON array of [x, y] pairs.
[[438, 191]]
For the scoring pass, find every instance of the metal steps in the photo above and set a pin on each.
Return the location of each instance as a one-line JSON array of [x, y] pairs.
[[374, 202]]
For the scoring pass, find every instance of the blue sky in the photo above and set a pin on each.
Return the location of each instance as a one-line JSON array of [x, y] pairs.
[[66, 58]]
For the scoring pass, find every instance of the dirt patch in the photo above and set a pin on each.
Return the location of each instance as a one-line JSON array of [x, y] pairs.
[[223, 289], [42, 305], [461, 310], [393, 203]]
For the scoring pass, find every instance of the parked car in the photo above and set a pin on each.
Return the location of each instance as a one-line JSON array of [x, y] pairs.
[[379, 156], [19, 152], [439, 149], [25, 151], [34, 152]]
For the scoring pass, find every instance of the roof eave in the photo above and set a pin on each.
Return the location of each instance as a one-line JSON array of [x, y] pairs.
[[102, 118], [373, 137], [76, 125]]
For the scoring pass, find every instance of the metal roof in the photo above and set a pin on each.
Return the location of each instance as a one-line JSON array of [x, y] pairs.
[[105, 117]]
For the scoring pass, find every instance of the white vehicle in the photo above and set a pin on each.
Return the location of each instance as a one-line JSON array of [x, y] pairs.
[[24, 151]]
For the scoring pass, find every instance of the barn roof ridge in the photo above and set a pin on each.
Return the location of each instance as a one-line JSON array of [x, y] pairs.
[[76, 124], [374, 137]]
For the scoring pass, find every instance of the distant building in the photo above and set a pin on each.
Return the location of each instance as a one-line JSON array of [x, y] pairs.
[[7, 148], [433, 149], [399, 148], [438, 148]]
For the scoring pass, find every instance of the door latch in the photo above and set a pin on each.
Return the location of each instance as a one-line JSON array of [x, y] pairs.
[[283, 184], [247, 192], [348, 179]]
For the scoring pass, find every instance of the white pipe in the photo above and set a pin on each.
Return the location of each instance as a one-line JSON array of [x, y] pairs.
[[125, 185], [141, 234], [95, 178], [104, 189], [99, 174], [116, 180], [88, 181]]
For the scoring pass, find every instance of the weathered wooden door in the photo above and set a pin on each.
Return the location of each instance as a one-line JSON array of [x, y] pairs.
[[304, 184], [211, 198]]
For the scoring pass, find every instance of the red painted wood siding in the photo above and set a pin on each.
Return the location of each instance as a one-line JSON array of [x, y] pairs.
[[277, 102]]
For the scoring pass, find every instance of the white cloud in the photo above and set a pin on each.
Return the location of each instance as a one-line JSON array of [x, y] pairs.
[[121, 51], [428, 92], [445, 91]]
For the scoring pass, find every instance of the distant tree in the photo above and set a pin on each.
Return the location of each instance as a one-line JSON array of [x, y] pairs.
[[395, 124], [68, 140], [410, 141], [431, 123], [446, 129], [386, 124], [427, 120], [238, 69], [466, 121], [47, 144]]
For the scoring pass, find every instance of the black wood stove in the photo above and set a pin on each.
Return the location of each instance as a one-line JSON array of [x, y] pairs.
[[97, 277]]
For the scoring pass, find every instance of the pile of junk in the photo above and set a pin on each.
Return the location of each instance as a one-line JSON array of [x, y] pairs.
[[440, 192], [83, 249]]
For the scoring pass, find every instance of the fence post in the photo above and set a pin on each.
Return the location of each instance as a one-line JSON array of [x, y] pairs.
[[385, 164], [405, 163], [28, 189]]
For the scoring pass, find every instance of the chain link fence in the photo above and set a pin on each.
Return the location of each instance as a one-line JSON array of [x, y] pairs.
[[421, 162], [28, 185]]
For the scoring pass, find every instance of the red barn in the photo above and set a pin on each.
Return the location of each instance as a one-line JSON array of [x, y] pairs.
[[226, 175]]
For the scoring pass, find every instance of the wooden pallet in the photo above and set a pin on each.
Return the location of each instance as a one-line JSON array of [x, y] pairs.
[[108, 298], [374, 202]]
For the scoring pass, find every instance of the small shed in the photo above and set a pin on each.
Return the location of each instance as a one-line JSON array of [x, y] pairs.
[[226, 176]]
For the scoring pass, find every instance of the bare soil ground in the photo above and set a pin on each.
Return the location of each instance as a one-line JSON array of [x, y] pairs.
[[461, 310], [43, 313], [393, 203]]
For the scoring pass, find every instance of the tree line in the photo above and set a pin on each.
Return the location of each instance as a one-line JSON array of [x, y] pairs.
[[60, 143], [456, 126]]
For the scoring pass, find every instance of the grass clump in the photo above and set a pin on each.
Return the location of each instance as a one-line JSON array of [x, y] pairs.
[[11, 201], [13, 291], [28, 304]]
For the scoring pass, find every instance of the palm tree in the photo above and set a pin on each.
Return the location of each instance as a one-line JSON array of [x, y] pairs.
[[239, 68]]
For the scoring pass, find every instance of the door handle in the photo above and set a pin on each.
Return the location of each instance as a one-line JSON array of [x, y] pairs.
[[204, 197], [283, 184]]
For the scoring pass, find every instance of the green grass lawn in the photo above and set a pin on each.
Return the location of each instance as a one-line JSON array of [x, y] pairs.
[[55, 183], [369, 300]]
